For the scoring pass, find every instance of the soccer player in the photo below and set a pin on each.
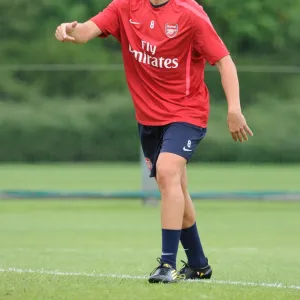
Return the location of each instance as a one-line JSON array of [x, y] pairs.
[[165, 46]]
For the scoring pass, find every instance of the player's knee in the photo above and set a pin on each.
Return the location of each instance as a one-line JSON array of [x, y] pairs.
[[167, 176], [169, 169]]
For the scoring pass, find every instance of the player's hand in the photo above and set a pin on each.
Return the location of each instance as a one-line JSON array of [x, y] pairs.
[[64, 32], [238, 126]]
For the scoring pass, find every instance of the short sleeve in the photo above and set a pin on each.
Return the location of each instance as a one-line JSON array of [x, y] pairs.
[[108, 20], [206, 40]]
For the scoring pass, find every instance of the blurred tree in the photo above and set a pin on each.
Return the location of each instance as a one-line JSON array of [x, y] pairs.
[[257, 26], [256, 32], [27, 37], [251, 29]]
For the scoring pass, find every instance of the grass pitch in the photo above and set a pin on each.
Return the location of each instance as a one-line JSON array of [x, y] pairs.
[[127, 177], [83, 249], [73, 250]]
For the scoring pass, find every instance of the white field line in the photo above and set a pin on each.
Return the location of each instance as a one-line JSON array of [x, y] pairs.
[[120, 276], [76, 250]]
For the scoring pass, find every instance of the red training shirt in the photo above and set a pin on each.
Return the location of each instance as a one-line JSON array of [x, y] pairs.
[[164, 51]]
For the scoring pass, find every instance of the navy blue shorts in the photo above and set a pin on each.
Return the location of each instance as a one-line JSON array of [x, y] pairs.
[[178, 138]]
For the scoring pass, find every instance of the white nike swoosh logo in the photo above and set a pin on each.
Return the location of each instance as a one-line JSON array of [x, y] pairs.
[[185, 149], [135, 23]]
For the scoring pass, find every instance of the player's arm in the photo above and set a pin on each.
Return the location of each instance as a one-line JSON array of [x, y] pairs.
[[236, 121], [103, 24], [208, 43], [78, 33]]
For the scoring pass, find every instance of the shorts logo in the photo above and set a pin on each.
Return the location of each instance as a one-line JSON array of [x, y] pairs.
[[148, 163], [189, 145], [171, 30]]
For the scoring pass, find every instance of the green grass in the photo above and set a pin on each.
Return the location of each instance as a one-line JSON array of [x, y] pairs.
[[249, 242], [112, 177], [245, 241]]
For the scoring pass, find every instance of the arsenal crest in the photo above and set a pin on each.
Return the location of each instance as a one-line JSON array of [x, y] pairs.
[[171, 30]]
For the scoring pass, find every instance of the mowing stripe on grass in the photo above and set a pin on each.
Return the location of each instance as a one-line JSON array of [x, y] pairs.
[[120, 276]]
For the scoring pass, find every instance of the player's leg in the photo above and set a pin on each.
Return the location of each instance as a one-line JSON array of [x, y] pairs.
[[151, 140], [189, 217], [197, 266], [169, 169]]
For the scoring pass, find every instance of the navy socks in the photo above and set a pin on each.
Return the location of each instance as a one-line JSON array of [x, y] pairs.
[[190, 241], [170, 243]]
